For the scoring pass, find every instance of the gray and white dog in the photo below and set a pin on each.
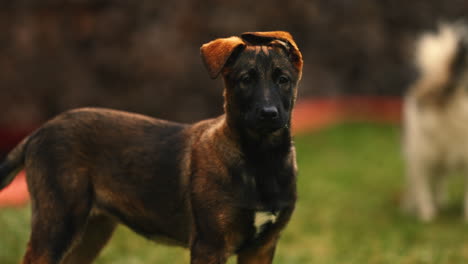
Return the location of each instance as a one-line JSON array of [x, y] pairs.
[[436, 120]]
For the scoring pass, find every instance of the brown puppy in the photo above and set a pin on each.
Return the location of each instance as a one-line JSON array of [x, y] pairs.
[[203, 186]]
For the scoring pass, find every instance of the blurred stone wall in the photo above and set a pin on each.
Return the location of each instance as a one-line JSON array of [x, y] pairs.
[[143, 55]]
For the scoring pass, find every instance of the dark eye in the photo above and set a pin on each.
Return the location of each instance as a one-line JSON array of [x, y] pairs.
[[283, 80], [246, 79]]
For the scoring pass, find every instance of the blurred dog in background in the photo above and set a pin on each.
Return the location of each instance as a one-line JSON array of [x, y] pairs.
[[436, 120]]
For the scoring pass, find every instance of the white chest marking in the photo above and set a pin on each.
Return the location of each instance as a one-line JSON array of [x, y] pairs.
[[262, 218]]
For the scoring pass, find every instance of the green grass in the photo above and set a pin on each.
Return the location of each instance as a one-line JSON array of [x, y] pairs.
[[350, 183]]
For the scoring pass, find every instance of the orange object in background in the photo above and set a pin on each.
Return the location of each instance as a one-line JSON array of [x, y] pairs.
[[16, 194], [309, 115], [313, 114]]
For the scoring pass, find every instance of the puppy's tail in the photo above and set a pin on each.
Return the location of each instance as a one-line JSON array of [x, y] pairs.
[[12, 164], [440, 57]]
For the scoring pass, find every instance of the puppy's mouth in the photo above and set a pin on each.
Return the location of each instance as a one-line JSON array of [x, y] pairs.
[[267, 127]]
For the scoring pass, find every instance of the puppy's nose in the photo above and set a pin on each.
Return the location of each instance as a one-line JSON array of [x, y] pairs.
[[268, 113]]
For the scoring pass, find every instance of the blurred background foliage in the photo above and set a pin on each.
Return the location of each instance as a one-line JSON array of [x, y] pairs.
[[143, 55]]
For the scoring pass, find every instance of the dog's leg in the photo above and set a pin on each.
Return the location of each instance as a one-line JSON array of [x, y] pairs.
[[261, 255], [203, 252], [60, 208], [419, 187], [98, 231], [465, 202], [439, 181], [264, 250], [52, 235]]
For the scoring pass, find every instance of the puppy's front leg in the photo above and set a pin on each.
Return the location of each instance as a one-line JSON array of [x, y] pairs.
[[263, 250], [209, 244], [207, 252], [262, 255]]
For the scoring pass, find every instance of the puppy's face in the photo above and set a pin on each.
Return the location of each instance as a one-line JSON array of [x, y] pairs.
[[261, 71], [261, 87]]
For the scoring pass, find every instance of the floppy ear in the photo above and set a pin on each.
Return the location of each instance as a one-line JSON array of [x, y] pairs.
[[264, 38], [216, 53]]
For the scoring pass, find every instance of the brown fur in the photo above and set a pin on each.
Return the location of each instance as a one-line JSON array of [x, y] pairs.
[[216, 53], [198, 186], [274, 36]]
